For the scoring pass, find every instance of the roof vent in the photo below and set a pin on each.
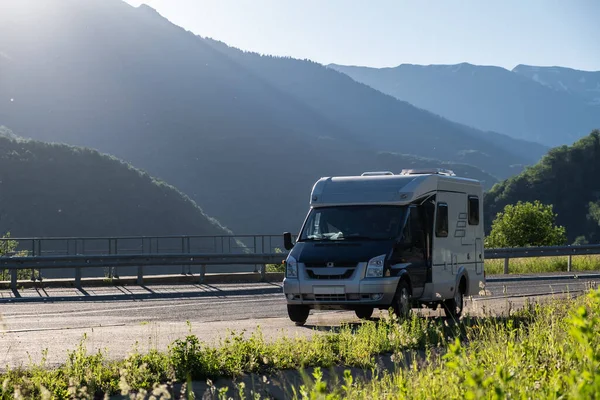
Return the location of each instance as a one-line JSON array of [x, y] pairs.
[[427, 171], [376, 173]]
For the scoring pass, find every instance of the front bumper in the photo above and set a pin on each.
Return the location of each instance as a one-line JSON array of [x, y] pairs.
[[344, 294]]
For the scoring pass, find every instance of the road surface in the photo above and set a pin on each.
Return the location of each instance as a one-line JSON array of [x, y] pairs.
[[116, 318]]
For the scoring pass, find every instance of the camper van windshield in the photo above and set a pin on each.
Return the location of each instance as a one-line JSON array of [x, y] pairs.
[[354, 223]]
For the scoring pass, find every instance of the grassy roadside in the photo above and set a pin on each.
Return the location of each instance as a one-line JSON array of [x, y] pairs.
[[532, 351], [554, 356], [543, 264]]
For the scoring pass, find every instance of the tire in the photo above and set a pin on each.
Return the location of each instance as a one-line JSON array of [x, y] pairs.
[[401, 303], [364, 312], [298, 314], [453, 307]]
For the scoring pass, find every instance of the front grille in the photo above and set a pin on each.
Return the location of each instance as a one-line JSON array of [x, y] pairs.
[[345, 275], [324, 265], [330, 297]]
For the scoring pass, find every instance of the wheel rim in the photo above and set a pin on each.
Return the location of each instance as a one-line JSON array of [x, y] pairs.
[[403, 301]]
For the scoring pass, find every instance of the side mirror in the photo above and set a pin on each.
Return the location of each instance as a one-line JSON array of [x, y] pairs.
[[287, 241]]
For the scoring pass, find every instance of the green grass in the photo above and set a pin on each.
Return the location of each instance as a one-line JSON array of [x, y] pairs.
[[543, 351], [543, 264], [188, 358], [555, 356]]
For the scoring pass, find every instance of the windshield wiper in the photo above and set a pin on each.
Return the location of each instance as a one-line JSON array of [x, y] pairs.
[[312, 239], [362, 237]]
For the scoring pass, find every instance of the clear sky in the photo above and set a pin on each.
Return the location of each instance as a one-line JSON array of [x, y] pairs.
[[383, 33]]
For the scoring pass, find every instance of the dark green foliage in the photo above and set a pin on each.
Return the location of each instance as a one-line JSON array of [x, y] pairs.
[[525, 224], [59, 190], [566, 178]]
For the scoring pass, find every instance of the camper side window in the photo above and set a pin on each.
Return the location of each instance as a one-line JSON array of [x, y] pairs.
[[473, 210], [441, 220]]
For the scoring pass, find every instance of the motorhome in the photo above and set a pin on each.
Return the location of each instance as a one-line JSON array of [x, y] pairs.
[[383, 240]]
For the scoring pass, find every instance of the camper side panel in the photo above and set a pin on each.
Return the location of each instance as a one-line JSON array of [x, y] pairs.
[[458, 239]]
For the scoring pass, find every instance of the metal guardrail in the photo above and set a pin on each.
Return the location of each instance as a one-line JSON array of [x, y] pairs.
[[249, 250], [78, 262], [546, 251], [182, 244]]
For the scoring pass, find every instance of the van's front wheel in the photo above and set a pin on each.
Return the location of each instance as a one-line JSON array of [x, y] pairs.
[[401, 304], [298, 313]]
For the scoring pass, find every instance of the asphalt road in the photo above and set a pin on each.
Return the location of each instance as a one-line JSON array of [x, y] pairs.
[[114, 319]]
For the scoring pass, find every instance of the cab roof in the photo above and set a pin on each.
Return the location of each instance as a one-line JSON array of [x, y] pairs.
[[386, 188]]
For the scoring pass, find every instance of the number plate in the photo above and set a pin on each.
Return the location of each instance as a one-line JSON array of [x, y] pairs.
[[329, 290]]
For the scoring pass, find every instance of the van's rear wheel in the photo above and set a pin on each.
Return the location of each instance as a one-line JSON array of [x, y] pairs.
[[401, 304], [298, 313], [364, 312], [453, 307]]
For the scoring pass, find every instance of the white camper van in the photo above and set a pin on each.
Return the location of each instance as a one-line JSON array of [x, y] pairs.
[[384, 240]]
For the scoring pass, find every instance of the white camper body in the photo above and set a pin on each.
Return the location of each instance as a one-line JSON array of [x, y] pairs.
[[385, 240]]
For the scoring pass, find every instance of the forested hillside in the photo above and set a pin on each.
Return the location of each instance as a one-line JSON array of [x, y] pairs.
[[381, 121], [58, 190], [567, 178], [245, 136]]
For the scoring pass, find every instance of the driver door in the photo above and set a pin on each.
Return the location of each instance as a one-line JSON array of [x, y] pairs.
[[410, 251]]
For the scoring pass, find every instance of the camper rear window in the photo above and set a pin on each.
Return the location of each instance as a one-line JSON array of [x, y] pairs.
[[441, 224], [473, 210]]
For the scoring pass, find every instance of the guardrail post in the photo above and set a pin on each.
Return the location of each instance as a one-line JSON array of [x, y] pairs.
[[202, 273], [13, 279], [506, 266], [140, 276], [263, 273], [78, 277], [570, 263]]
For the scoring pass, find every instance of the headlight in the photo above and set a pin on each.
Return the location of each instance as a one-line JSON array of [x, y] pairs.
[[375, 267], [291, 267]]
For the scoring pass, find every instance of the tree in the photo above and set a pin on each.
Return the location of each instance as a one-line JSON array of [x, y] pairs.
[[526, 224], [580, 240], [8, 247], [594, 212]]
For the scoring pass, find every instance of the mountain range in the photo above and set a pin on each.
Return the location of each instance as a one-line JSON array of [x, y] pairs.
[[550, 106], [243, 135]]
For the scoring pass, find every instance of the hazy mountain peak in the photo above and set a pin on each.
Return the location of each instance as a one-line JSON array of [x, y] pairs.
[[149, 10], [540, 104], [584, 85]]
